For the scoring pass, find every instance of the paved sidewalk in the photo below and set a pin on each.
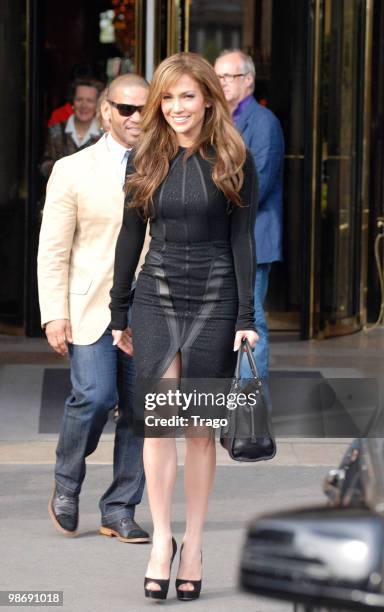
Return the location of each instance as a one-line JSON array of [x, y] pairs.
[[22, 364], [99, 574]]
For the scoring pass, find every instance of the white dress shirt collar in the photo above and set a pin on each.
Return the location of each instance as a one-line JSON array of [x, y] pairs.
[[115, 148], [119, 156], [70, 128]]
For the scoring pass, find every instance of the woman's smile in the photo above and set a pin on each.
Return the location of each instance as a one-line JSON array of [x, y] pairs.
[[183, 107]]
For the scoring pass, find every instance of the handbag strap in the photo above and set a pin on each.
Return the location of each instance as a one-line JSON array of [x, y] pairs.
[[251, 360]]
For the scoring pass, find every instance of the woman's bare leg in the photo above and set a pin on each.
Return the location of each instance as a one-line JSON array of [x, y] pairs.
[[160, 464], [199, 473]]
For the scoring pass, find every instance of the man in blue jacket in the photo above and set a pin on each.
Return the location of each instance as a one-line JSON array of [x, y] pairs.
[[263, 136]]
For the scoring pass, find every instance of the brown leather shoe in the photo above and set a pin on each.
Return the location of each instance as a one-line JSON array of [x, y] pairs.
[[125, 530]]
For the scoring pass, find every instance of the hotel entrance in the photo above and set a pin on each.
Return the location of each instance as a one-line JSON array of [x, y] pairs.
[[314, 69]]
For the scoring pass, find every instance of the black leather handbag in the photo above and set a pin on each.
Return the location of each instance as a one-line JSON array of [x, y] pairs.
[[247, 436]]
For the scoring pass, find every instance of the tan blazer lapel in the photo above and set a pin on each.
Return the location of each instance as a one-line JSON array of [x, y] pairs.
[[106, 170]]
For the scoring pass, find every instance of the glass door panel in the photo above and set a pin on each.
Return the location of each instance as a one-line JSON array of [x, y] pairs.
[[13, 109], [340, 147], [309, 57], [215, 25], [274, 33]]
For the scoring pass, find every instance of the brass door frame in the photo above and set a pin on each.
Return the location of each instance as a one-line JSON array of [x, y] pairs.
[[168, 25], [365, 196], [178, 26], [173, 34], [139, 37], [186, 24], [353, 324], [313, 295]]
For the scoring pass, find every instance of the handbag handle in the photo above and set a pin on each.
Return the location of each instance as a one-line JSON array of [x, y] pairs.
[[251, 360]]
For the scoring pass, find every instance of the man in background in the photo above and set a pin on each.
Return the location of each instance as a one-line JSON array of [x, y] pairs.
[[262, 134], [82, 219]]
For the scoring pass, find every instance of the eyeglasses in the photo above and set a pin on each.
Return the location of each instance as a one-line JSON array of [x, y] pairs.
[[126, 110], [229, 78]]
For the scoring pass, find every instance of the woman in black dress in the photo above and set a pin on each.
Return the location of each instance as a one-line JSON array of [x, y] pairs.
[[195, 182]]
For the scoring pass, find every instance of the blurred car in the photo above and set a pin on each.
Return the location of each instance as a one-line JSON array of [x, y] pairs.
[[327, 558]]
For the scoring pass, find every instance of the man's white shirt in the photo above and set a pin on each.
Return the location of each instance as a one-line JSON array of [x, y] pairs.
[[70, 128], [119, 156]]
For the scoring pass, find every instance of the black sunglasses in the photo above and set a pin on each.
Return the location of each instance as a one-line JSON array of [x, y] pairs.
[[126, 110]]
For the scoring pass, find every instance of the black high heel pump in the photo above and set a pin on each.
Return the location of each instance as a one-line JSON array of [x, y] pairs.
[[162, 582], [184, 595]]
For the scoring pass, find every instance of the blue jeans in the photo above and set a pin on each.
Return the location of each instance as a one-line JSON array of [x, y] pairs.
[[101, 376], [261, 349]]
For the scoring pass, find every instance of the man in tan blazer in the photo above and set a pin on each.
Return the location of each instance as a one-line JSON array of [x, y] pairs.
[[82, 218]]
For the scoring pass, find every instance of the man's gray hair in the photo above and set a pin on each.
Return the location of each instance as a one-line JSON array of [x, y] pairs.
[[246, 60]]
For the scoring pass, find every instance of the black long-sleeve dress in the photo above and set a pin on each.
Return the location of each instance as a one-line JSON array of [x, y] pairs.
[[197, 283]]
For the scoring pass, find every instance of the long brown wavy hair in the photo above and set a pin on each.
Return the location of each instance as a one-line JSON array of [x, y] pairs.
[[219, 141]]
